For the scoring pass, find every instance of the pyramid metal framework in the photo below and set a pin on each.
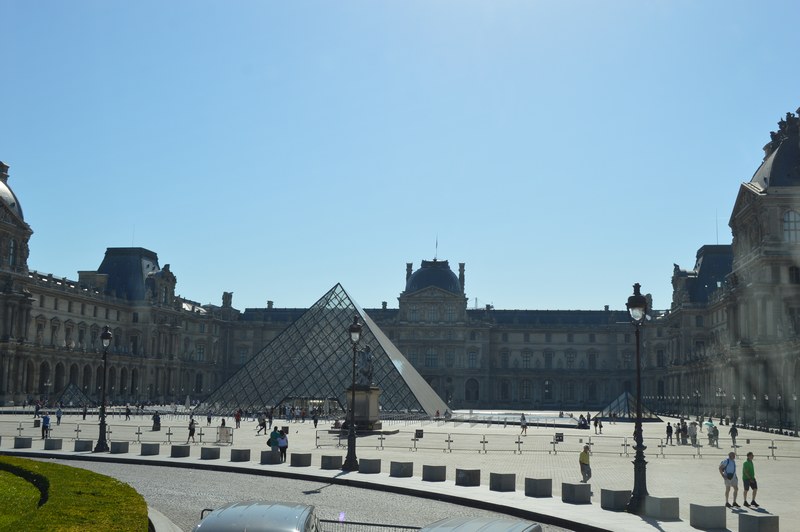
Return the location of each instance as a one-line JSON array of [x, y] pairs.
[[624, 409], [74, 396], [311, 360]]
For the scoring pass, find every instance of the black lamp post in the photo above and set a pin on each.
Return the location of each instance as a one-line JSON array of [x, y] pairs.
[[102, 444], [720, 397], [637, 308], [780, 413], [350, 461]]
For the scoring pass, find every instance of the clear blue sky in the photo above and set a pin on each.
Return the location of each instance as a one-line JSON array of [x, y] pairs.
[[562, 149]]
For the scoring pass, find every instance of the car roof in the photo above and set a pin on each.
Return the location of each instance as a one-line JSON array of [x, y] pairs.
[[482, 524], [257, 516]]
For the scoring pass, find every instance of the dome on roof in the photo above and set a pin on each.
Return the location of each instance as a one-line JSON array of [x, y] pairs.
[[781, 165], [434, 273], [8, 197]]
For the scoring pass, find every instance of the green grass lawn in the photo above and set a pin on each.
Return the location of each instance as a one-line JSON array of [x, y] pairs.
[[19, 498], [76, 499]]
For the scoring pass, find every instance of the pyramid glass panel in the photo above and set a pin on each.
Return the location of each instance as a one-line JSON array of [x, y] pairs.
[[311, 360]]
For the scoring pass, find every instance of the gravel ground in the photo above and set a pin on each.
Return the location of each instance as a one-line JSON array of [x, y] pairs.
[[181, 494]]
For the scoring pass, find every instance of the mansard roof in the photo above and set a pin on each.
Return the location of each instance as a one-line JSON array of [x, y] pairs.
[[781, 165]]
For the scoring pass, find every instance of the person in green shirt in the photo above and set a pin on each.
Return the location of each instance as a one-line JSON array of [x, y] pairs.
[[749, 480]]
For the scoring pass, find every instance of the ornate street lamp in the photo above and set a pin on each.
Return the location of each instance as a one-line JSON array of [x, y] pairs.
[[780, 413], [102, 444], [350, 461], [637, 308]]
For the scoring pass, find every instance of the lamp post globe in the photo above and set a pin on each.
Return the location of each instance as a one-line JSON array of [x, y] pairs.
[[350, 461], [102, 444], [637, 308]]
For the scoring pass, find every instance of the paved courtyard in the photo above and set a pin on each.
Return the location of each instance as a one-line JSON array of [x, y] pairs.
[[687, 472]]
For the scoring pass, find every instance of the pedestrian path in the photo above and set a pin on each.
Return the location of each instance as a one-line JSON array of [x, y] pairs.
[[685, 472]]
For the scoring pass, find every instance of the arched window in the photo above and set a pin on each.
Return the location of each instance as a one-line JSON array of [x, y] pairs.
[[791, 226], [12, 253], [547, 390]]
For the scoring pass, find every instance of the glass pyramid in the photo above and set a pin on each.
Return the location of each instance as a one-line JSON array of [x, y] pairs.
[[311, 362], [624, 409]]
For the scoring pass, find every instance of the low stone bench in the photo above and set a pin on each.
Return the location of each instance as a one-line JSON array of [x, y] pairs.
[[702, 516], [180, 451], [401, 469], [576, 493], [369, 465], [502, 482], [468, 477], [662, 508], [331, 461], [750, 522], [240, 455], [119, 447], [53, 444], [538, 487], [300, 459], [615, 500], [209, 453], [23, 442], [151, 449], [434, 473], [270, 457], [83, 446]]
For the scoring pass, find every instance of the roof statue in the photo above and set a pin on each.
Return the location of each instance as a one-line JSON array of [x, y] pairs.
[[312, 360]]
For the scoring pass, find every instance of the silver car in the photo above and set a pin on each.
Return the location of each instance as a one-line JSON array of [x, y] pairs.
[[260, 516]]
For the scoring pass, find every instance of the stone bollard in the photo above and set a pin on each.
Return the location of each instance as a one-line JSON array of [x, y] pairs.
[[180, 451], [53, 444], [331, 462], [434, 473], [401, 469], [119, 447], [23, 442], [83, 446], [502, 482], [209, 453], [576, 493], [240, 455], [369, 465], [300, 459], [270, 457], [538, 487], [468, 477], [749, 522], [151, 449], [614, 500], [705, 517]]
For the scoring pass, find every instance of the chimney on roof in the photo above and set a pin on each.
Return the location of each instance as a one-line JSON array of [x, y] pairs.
[[605, 308], [383, 305], [269, 304], [409, 266], [461, 275], [3, 172]]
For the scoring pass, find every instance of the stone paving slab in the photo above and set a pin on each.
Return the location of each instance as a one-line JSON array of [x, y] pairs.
[[678, 473]]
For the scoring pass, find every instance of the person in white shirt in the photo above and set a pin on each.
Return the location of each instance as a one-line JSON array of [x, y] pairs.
[[727, 468]]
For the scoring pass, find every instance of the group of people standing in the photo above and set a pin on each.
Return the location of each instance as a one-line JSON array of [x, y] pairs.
[[279, 441]]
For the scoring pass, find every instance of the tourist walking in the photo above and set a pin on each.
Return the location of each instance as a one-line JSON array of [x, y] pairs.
[[191, 430], [734, 432], [727, 468], [669, 433], [127, 412], [586, 469], [208, 419], [523, 424], [59, 413], [315, 417], [749, 480], [596, 421]]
